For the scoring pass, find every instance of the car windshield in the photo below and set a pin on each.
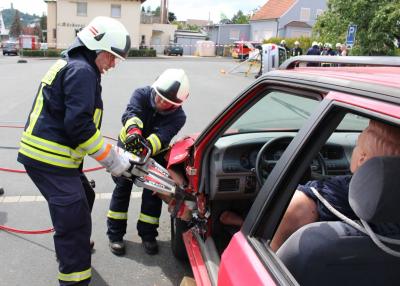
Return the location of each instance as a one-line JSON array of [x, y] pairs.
[[10, 45], [286, 112]]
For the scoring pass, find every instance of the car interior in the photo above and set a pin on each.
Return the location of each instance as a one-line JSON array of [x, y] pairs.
[[245, 154]]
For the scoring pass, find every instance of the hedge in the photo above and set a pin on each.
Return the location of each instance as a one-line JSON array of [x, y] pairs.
[[40, 53], [56, 53]]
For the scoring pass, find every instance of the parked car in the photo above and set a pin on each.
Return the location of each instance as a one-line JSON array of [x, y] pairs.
[[173, 50], [242, 49], [289, 126], [10, 48]]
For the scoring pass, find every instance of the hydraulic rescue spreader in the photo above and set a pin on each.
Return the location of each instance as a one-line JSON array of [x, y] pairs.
[[149, 174]]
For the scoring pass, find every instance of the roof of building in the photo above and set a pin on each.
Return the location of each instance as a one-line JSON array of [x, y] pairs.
[[298, 24], [273, 9]]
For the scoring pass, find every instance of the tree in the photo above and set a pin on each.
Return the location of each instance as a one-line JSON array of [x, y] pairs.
[[43, 22], [16, 26], [224, 19], [240, 18], [377, 24], [171, 17], [157, 12]]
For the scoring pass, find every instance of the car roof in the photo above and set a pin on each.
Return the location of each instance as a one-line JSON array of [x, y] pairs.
[[369, 81], [387, 76]]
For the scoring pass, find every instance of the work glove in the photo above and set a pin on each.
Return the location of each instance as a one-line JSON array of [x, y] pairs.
[[136, 144], [116, 160]]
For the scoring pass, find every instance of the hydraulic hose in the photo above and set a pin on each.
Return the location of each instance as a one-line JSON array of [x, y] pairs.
[[10, 229]]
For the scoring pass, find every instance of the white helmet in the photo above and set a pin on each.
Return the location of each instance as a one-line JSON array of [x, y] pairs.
[[172, 86], [338, 45], [106, 34], [315, 44], [297, 43], [283, 42]]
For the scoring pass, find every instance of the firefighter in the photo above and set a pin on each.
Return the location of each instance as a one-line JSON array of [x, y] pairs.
[[62, 127], [154, 113], [287, 49], [296, 51]]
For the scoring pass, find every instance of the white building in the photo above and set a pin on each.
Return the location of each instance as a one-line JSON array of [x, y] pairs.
[[65, 18]]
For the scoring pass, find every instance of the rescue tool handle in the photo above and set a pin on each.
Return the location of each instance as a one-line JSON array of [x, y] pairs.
[[145, 152]]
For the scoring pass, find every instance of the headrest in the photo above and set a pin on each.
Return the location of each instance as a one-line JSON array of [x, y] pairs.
[[374, 193]]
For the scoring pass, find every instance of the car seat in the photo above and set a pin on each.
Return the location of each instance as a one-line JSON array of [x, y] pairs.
[[335, 253]]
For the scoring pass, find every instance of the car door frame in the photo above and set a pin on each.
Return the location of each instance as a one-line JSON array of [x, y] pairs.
[[216, 129], [276, 270]]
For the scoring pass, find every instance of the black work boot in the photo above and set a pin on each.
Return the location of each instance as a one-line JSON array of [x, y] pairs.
[[117, 247], [150, 246]]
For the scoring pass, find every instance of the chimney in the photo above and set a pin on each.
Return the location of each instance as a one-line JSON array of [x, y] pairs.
[[164, 12]]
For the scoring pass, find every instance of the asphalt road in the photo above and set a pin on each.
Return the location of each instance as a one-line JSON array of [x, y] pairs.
[[30, 259]]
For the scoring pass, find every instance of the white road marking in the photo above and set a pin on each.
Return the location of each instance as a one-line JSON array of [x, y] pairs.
[[28, 199]]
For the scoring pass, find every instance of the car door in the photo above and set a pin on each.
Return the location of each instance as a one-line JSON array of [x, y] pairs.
[[201, 252]]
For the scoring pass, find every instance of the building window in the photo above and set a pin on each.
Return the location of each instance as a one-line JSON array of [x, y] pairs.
[[305, 14], [115, 11], [81, 9], [319, 13], [54, 33], [234, 34]]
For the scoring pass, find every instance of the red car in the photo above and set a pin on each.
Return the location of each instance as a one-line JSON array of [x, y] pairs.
[[289, 126], [242, 49]]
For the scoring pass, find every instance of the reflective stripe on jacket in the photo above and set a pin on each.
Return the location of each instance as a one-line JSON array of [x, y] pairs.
[[157, 127], [63, 125]]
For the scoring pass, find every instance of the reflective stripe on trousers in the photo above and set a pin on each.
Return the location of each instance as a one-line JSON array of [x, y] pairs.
[[117, 215], [75, 276], [148, 219]]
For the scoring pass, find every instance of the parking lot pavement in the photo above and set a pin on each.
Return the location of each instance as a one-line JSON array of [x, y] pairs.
[[30, 259]]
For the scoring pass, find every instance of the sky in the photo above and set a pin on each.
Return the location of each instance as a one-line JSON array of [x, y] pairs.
[[183, 9]]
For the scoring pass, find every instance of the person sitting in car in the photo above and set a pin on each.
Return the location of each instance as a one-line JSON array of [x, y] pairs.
[[378, 139]]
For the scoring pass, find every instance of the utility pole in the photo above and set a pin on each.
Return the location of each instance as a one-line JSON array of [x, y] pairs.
[[164, 12]]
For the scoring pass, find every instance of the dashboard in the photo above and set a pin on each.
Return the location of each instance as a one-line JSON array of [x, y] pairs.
[[233, 160]]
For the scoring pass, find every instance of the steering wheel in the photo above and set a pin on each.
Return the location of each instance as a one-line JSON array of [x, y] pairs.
[[264, 166]]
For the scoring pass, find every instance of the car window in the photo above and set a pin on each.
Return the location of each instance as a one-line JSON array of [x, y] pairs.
[[353, 122], [276, 110]]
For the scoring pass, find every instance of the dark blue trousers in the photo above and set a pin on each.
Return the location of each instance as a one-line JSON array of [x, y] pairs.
[[150, 210], [70, 214]]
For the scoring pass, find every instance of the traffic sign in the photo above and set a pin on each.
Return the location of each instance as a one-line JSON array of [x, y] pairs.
[[351, 35]]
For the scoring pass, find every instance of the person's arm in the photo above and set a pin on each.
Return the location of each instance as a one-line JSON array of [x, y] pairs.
[[166, 130], [132, 117], [80, 91]]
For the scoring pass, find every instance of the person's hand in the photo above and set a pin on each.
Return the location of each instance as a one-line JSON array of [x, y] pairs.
[[121, 163], [116, 160], [134, 142]]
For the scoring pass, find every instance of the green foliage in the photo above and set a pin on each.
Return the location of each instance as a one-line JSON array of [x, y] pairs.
[[16, 26], [240, 18], [43, 22], [8, 17], [184, 26], [157, 12], [171, 17], [224, 19], [142, 53], [377, 25], [55, 53], [305, 42]]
